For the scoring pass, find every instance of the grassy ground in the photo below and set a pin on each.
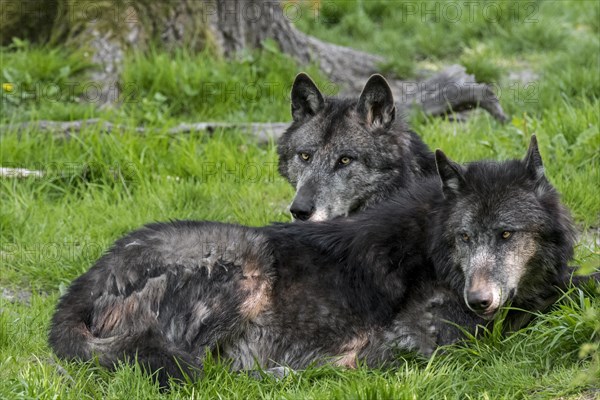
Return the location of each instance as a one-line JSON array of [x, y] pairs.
[[97, 187]]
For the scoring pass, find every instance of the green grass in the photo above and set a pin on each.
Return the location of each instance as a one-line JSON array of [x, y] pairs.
[[98, 186], [542, 361]]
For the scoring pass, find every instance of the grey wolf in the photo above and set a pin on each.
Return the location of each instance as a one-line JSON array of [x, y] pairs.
[[344, 155], [458, 246]]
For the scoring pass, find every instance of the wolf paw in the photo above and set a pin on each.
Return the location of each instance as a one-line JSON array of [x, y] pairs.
[[435, 301], [429, 323], [428, 332]]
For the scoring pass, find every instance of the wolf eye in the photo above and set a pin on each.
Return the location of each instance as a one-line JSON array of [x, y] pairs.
[[304, 156], [465, 237], [345, 160], [506, 234]]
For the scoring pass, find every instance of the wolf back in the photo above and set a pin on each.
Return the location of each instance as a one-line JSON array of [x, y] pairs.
[[344, 155]]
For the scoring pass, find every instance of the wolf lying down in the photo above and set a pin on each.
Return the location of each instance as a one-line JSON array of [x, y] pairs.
[[455, 247]]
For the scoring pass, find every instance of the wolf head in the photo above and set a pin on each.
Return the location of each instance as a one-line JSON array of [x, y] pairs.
[[342, 154], [509, 233]]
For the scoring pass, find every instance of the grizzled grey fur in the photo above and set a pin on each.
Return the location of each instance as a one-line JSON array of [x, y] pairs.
[[344, 155], [457, 247]]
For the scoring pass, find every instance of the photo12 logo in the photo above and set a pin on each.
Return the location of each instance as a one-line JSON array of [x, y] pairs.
[[250, 172], [469, 11], [73, 91], [65, 252]]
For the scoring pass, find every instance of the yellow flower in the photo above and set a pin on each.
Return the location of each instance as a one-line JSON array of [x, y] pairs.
[[8, 87]]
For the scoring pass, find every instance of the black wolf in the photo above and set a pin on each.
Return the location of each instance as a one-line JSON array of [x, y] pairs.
[[455, 247], [344, 155]]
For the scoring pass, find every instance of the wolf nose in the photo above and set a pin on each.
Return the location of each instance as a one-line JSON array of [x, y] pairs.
[[479, 300], [301, 213]]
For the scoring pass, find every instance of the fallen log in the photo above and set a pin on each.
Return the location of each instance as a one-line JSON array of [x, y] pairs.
[[262, 132]]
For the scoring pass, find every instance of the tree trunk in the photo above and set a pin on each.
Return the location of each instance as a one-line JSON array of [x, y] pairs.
[[228, 27], [241, 24]]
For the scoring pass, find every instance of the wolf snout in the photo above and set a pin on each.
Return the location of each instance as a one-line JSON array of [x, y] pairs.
[[480, 301], [302, 209], [303, 206]]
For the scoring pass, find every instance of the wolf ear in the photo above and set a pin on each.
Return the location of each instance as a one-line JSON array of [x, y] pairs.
[[376, 103], [450, 173], [307, 100], [533, 160]]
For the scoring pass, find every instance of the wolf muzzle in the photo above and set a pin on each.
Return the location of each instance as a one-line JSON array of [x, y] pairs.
[[483, 295], [303, 206], [479, 300]]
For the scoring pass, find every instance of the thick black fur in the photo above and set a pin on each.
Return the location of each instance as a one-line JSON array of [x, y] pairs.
[[364, 287]]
